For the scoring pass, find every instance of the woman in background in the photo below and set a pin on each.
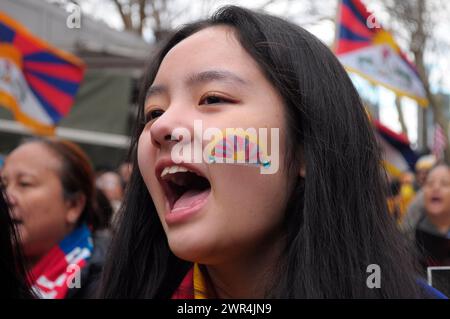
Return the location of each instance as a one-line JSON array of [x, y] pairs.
[[50, 189], [433, 230]]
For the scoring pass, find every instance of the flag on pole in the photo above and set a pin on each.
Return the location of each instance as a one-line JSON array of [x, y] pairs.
[[398, 157], [365, 48], [38, 82], [439, 142]]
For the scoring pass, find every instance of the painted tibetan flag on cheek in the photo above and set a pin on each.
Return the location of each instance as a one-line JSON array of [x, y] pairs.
[[38, 82], [365, 48]]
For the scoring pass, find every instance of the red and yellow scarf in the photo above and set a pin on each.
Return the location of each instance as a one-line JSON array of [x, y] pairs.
[[193, 285]]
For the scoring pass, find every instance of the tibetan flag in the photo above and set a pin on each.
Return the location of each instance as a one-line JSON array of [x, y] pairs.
[[38, 82], [365, 48], [398, 157]]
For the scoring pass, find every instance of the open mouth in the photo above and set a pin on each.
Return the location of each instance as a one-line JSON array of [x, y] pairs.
[[436, 199], [184, 189]]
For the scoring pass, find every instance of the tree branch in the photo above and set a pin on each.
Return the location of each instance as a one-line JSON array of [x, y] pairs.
[[126, 17]]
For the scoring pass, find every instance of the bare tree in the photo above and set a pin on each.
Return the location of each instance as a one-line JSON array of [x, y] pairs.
[[135, 14], [418, 18], [161, 15]]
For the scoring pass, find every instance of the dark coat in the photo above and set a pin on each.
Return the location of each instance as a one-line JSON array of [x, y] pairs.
[[91, 273]]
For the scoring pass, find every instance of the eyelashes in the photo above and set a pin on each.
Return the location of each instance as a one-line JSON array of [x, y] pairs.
[[214, 98], [153, 115], [208, 99]]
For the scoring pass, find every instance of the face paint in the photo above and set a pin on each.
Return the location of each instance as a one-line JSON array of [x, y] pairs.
[[238, 148]]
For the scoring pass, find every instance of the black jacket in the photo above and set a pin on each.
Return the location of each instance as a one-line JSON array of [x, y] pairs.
[[90, 274]]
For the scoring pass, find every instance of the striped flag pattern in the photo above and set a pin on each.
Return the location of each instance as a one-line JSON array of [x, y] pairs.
[[38, 82], [365, 48]]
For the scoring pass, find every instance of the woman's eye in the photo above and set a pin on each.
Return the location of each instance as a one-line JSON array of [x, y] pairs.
[[152, 115], [445, 184], [214, 99], [24, 184]]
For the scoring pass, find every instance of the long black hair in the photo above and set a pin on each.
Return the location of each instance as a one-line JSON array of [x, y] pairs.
[[337, 222], [13, 276]]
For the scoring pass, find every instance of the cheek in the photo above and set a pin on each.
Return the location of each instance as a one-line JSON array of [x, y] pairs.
[[249, 199], [447, 199], [146, 161], [44, 217], [38, 206], [146, 156], [426, 194], [256, 200]]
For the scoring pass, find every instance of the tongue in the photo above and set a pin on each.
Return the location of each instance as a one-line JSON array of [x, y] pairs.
[[190, 199]]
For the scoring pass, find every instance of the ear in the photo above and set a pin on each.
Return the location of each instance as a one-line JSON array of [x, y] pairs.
[[75, 209], [302, 170]]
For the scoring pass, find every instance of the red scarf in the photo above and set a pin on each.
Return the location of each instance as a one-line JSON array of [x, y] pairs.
[[56, 271]]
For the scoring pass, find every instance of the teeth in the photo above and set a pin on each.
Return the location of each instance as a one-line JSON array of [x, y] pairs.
[[173, 169]]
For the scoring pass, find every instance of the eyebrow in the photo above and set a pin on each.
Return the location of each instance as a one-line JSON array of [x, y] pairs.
[[25, 174], [156, 90], [201, 78], [18, 175], [214, 75]]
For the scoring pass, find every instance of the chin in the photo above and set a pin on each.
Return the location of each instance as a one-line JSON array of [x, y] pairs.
[[435, 212], [193, 250]]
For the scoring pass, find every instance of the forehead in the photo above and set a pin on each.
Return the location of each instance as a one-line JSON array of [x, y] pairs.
[[31, 158], [440, 171], [211, 48]]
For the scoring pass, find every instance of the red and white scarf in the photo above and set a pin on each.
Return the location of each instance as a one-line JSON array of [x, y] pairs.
[[60, 268]]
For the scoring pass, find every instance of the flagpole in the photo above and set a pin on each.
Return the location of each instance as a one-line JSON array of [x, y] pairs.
[[422, 132], [401, 117]]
